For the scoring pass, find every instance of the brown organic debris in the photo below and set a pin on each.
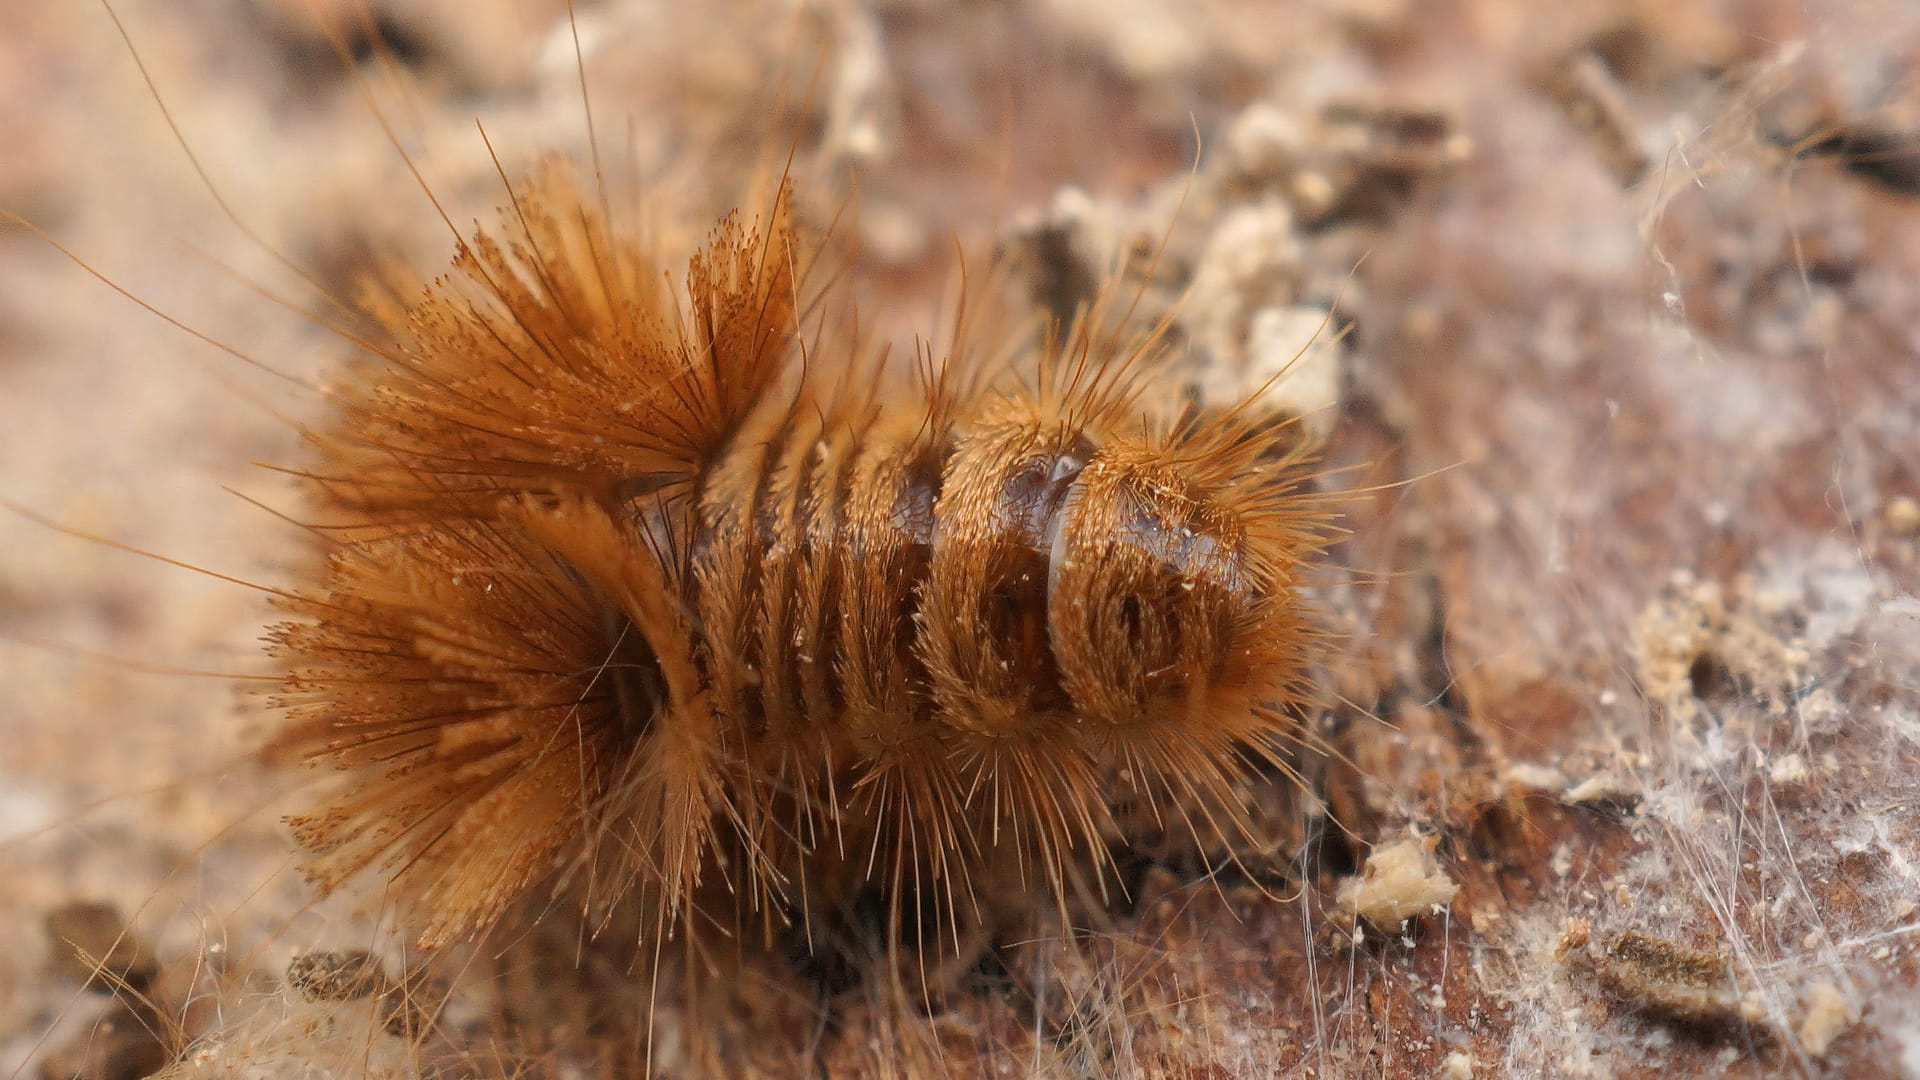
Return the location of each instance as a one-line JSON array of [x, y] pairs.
[[1657, 976], [92, 943], [346, 975]]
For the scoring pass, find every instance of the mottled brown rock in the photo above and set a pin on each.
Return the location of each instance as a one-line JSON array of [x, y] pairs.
[[91, 942]]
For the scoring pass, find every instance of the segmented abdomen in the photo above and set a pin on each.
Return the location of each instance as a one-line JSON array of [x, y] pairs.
[[960, 647]]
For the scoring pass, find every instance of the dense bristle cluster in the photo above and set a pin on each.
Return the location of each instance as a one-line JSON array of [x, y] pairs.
[[650, 597]]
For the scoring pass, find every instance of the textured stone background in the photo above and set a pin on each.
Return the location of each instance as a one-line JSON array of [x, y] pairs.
[[1633, 300]]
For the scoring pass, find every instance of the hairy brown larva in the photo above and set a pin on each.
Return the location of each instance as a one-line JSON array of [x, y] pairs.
[[624, 597], [674, 603]]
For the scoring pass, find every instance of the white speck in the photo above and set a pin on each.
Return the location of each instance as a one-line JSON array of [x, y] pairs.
[[1788, 769], [1562, 861], [22, 809]]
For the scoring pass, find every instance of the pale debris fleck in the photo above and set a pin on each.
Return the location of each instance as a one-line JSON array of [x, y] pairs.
[[1903, 515], [1788, 769], [1398, 882], [1532, 777], [1562, 862], [1601, 788], [1829, 1014]]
